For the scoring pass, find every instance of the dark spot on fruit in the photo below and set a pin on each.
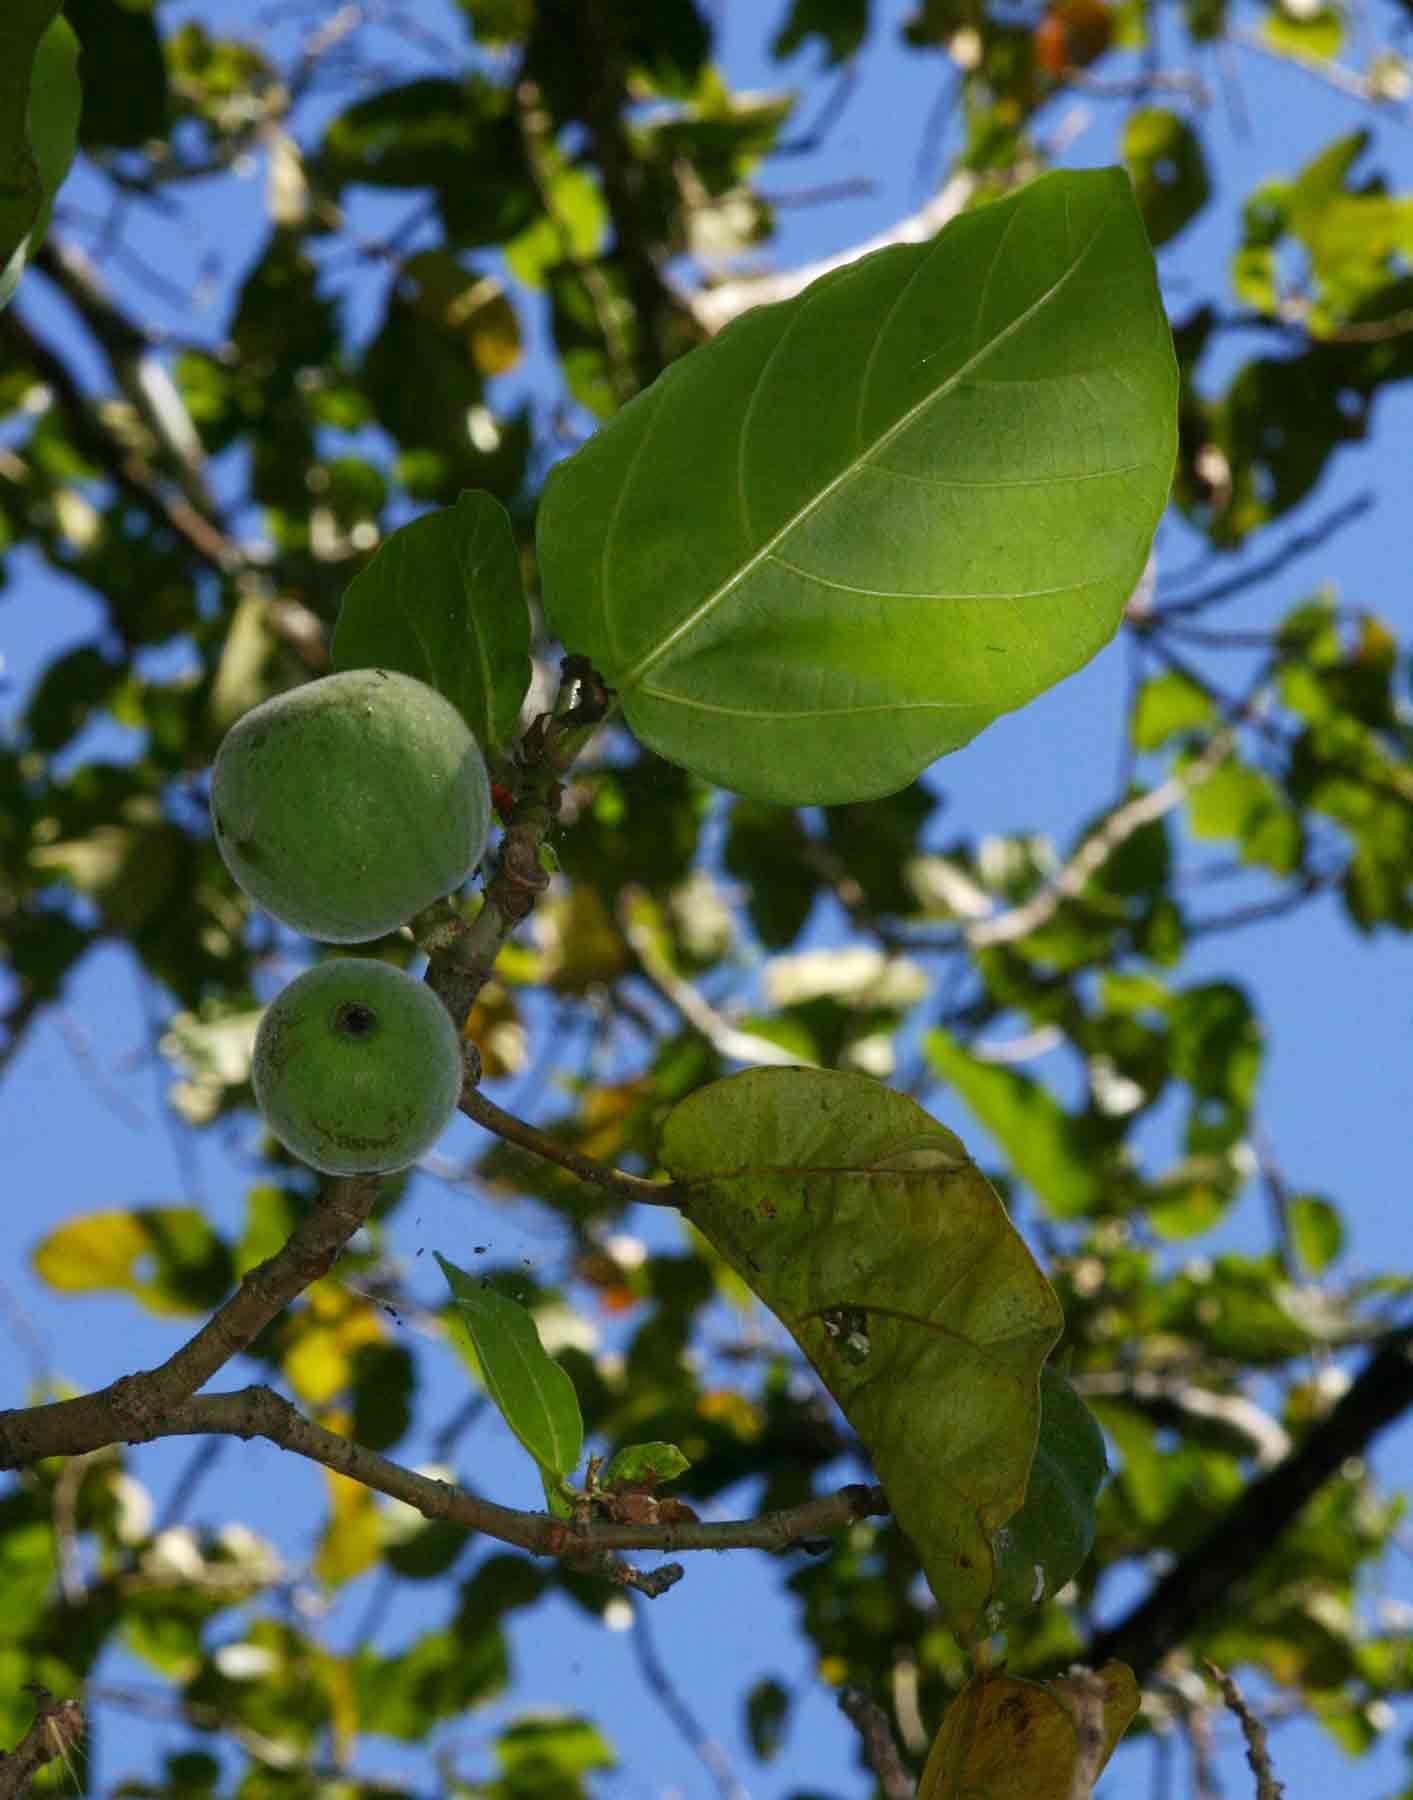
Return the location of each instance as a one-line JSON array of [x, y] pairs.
[[355, 1020], [249, 849]]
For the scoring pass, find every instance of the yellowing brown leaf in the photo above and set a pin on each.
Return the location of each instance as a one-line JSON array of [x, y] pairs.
[[1007, 1739]]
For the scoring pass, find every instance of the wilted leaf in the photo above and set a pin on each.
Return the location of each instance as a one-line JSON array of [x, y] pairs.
[[1008, 1739], [866, 1228]]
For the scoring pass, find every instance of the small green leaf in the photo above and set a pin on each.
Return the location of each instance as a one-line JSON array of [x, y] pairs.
[[856, 527], [535, 1396], [644, 1465], [1048, 1539], [443, 600], [867, 1229], [1040, 1139], [1318, 1231]]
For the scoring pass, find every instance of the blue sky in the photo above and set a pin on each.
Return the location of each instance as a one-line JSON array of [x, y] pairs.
[[81, 1110]]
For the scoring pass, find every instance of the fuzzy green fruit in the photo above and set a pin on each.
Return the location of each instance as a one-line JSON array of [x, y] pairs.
[[357, 1067], [349, 804]]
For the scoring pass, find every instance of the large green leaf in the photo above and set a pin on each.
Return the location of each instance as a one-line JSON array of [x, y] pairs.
[[865, 1226], [443, 600], [40, 99], [850, 532], [535, 1396]]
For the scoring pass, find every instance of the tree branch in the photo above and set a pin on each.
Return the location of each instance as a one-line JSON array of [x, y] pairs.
[[698, 1739], [128, 471], [696, 1009], [1099, 846], [613, 1181], [136, 1408], [1258, 1756], [58, 1726], [1201, 1580], [716, 307], [1301, 543], [879, 1747], [261, 1412]]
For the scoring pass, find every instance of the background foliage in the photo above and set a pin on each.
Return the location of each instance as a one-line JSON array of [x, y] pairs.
[[484, 227]]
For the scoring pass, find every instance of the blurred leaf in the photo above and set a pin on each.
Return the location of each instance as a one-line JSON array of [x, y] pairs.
[[572, 230], [384, 1382], [1317, 1231], [1042, 1142], [546, 1758], [767, 1717], [1297, 31], [441, 1675], [442, 600], [841, 25], [867, 1230], [124, 73], [168, 1258], [352, 1537], [535, 1396], [1164, 157], [430, 133], [764, 846], [1243, 804], [1167, 705]]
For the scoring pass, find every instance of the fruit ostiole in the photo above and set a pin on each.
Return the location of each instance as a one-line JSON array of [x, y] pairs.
[[357, 1067]]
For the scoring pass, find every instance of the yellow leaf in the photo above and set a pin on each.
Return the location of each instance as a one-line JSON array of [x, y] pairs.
[[1007, 1739], [353, 1537]]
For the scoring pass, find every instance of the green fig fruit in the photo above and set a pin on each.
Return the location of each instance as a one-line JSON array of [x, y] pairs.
[[357, 1067], [347, 805]]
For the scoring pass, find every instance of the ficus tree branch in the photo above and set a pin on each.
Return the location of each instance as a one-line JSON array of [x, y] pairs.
[[1201, 1580], [261, 1412], [58, 1726], [134, 1408], [613, 1181]]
